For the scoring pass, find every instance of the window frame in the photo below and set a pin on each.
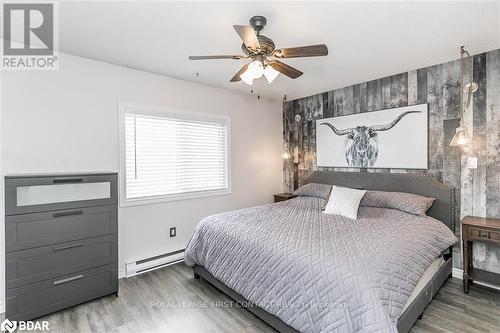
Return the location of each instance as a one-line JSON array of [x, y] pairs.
[[163, 111]]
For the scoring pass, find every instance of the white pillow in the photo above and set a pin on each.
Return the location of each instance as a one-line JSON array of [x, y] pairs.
[[344, 201]]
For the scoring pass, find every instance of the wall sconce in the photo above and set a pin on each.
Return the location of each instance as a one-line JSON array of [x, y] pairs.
[[298, 118], [296, 155], [286, 154], [462, 137]]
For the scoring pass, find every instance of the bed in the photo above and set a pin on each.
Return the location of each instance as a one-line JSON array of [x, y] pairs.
[[301, 270]]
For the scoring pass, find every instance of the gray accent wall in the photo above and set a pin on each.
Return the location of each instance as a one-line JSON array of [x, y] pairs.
[[478, 191]]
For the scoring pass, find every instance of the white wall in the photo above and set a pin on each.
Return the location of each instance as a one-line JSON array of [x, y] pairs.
[[2, 214], [67, 120]]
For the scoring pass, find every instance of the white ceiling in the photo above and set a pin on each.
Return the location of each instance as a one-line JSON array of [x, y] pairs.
[[367, 40]]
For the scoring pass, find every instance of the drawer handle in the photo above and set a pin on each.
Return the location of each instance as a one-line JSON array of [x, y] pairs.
[[484, 234], [67, 247], [75, 212], [73, 278], [68, 180]]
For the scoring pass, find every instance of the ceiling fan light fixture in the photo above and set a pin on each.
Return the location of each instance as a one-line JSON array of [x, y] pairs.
[[255, 69], [247, 77], [271, 74], [262, 50]]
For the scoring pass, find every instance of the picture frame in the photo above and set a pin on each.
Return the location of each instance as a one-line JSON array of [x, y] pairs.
[[395, 138]]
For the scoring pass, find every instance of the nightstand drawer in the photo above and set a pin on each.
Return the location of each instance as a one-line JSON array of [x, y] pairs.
[[483, 234]]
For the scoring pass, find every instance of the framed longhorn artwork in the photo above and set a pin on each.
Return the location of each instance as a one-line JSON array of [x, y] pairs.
[[392, 138]]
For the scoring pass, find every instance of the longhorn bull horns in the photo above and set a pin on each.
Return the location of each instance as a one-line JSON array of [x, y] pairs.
[[390, 125], [337, 131]]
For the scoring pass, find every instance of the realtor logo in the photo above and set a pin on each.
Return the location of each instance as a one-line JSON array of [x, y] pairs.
[[31, 25], [29, 32], [8, 326]]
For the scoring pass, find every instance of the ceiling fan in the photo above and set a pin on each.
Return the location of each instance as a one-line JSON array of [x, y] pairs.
[[261, 50]]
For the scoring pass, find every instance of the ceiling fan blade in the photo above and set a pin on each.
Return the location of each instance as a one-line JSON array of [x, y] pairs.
[[302, 51], [285, 69], [237, 77], [235, 57], [247, 35]]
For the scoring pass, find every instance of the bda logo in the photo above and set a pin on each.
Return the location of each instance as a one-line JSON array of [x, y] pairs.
[[8, 326], [11, 326]]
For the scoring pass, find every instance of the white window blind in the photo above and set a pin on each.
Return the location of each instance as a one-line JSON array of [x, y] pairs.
[[168, 156]]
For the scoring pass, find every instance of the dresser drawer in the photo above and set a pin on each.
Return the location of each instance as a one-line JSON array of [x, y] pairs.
[[38, 229], [42, 263], [41, 194], [38, 299], [484, 234]]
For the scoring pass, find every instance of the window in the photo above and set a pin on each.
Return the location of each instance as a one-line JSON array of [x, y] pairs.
[[170, 155]]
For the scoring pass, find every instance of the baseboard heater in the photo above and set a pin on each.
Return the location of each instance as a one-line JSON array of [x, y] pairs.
[[152, 263]]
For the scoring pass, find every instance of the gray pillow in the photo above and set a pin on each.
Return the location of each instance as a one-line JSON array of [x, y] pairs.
[[406, 202], [314, 190]]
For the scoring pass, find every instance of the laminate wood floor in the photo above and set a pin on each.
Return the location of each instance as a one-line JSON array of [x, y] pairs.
[[171, 300]]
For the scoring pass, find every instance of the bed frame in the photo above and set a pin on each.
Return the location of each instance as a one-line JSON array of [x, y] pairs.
[[443, 210]]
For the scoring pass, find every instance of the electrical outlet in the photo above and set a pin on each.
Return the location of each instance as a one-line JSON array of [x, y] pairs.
[[173, 232]]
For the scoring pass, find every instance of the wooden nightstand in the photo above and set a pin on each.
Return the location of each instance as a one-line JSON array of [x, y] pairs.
[[483, 230], [283, 197]]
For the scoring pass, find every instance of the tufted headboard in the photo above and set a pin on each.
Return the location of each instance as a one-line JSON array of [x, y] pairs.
[[443, 208]]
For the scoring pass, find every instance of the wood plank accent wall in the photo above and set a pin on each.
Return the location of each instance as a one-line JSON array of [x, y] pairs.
[[478, 191]]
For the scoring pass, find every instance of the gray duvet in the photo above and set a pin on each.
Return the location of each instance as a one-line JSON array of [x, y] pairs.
[[319, 272]]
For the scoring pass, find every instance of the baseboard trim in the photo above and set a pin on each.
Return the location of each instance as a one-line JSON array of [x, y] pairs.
[[121, 273], [458, 273]]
